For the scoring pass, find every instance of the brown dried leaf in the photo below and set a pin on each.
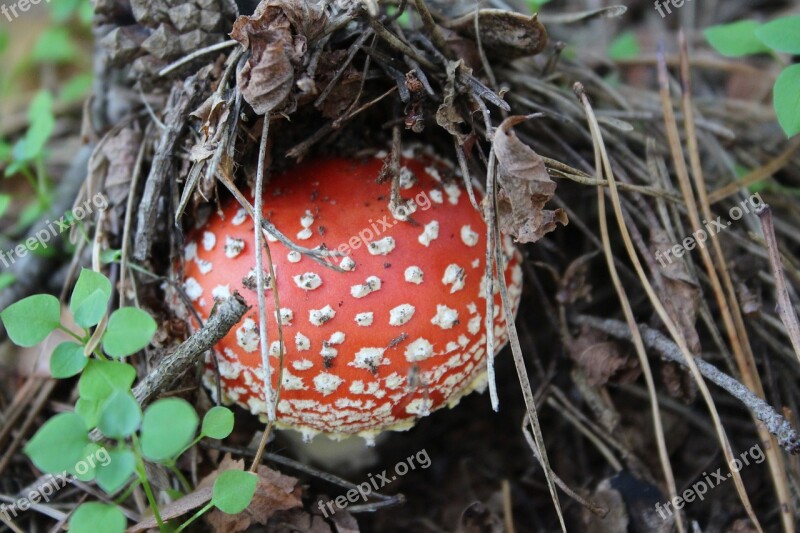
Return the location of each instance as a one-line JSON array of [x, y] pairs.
[[602, 359], [274, 492], [524, 187], [345, 522], [574, 286], [268, 75], [616, 521], [121, 152], [276, 36], [682, 294], [300, 520], [175, 509], [346, 89], [506, 34], [478, 518], [447, 116]]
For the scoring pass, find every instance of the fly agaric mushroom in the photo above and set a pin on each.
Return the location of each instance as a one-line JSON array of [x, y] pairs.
[[397, 335]]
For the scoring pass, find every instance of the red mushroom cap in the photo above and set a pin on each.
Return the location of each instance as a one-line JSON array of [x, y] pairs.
[[400, 334]]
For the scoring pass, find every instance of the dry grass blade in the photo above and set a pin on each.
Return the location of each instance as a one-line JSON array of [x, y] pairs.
[[761, 173], [727, 300], [513, 340], [593, 507], [660, 310], [785, 308], [627, 309]]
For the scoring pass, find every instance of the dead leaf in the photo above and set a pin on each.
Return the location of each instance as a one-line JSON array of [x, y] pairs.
[[574, 285], [121, 152], [682, 294], [300, 520], [345, 522], [344, 92], [175, 509], [478, 518], [274, 492], [277, 36], [616, 521], [524, 187], [602, 359], [447, 116], [506, 34]]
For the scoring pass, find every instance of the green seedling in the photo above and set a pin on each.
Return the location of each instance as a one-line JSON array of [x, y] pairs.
[[160, 434]]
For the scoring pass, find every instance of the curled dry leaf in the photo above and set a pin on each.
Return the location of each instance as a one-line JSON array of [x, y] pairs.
[[302, 520], [447, 116], [277, 37], [525, 187], [507, 34], [574, 285], [120, 151], [479, 518], [616, 521], [681, 296], [681, 292], [274, 492], [345, 91], [602, 359]]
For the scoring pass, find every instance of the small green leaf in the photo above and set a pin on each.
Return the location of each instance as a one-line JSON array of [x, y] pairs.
[[59, 443], [114, 473], [86, 468], [120, 415], [42, 122], [735, 39], [782, 35], [4, 40], [101, 378], [90, 298], [111, 255], [30, 320], [233, 491], [67, 360], [62, 11], [129, 330], [6, 280], [168, 426], [626, 46], [55, 45], [88, 517], [5, 201], [89, 411], [86, 13], [218, 423], [76, 88], [786, 98], [536, 5]]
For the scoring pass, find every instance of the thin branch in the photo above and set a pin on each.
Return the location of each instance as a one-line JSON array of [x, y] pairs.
[[173, 366], [194, 55], [787, 436]]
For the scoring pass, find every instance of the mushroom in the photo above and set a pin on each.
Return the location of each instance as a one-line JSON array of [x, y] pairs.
[[397, 335]]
